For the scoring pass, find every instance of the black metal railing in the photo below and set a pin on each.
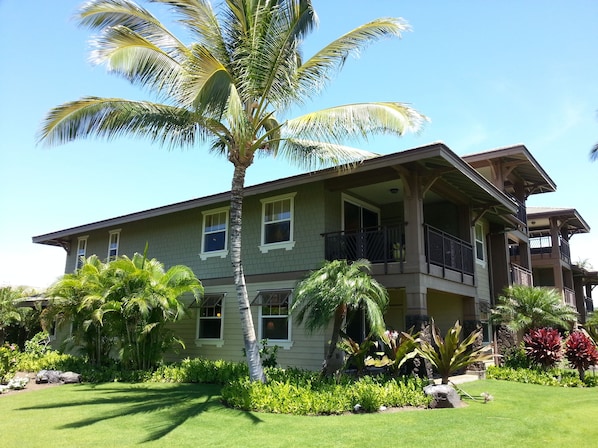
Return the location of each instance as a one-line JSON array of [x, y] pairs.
[[521, 211], [447, 251], [377, 244], [387, 244], [542, 246]]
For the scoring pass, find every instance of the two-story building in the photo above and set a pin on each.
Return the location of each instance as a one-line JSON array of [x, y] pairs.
[[437, 228]]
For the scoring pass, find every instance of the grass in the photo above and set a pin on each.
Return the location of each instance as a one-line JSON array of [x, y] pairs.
[[181, 415]]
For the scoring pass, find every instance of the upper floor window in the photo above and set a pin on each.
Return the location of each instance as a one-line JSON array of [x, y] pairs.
[[209, 319], [277, 223], [113, 245], [214, 236], [81, 252], [274, 318], [480, 246]]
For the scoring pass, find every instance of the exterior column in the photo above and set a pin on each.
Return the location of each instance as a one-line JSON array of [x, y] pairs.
[[413, 206]]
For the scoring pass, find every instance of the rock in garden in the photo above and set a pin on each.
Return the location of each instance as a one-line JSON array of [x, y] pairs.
[[70, 377], [443, 396], [48, 376]]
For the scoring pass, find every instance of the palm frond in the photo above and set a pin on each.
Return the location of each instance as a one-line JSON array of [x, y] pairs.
[[115, 117], [317, 71], [104, 14], [356, 121], [139, 60], [310, 154], [208, 84]]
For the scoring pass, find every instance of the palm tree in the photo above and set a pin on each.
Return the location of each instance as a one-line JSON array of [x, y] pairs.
[[331, 293], [522, 308], [79, 300], [146, 298], [230, 88], [10, 314]]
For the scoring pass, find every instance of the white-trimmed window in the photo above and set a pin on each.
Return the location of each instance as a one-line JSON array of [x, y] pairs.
[[209, 320], [81, 251], [277, 223], [214, 242], [480, 246], [113, 241], [274, 317]]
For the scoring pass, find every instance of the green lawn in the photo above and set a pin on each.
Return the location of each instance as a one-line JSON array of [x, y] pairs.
[[169, 415]]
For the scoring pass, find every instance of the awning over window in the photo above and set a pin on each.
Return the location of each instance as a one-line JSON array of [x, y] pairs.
[[208, 301], [279, 297]]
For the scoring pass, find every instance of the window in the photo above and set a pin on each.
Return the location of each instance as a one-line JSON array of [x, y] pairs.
[[479, 243], [209, 319], [113, 245], [81, 250], [215, 231], [277, 223], [274, 316]]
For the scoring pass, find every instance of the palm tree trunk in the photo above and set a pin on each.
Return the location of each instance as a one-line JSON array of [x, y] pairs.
[[334, 357], [256, 371]]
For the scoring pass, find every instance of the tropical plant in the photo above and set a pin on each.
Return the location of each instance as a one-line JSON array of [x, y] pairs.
[[331, 292], [544, 346], [399, 347], [78, 300], [449, 354], [10, 313], [358, 353], [591, 326], [231, 89], [522, 308], [581, 352], [145, 298], [127, 302]]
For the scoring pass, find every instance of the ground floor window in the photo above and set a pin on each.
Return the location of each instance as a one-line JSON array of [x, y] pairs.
[[209, 318], [274, 318]]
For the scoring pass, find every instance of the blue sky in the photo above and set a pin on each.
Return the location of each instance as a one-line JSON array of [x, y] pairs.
[[488, 74]]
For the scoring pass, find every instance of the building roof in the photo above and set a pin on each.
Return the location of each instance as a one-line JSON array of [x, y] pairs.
[[436, 161], [522, 164], [538, 219]]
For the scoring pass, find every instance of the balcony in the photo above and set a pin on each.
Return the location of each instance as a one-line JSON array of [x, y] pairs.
[[569, 296], [378, 245], [541, 246], [521, 275], [385, 245], [448, 252]]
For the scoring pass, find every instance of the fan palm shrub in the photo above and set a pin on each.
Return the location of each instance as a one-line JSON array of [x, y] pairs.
[[522, 308], [331, 292]]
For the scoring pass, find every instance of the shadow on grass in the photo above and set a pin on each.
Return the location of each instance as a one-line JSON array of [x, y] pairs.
[[173, 405]]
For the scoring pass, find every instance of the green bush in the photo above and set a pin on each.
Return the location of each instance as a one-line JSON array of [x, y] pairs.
[[199, 370], [9, 359], [304, 393], [550, 377]]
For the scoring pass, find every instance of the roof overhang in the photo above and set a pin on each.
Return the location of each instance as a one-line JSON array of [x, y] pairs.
[[520, 163], [435, 159], [539, 219]]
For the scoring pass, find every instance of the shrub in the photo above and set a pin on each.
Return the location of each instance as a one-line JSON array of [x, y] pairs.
[[581, 352], [199, 370], [544, 346], [303, 393], [550, 377], [9, 359], [451, 353], [516, 358]]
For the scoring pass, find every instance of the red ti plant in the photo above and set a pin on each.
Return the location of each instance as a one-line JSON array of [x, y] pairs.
[[544, 346], [581, 352]]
